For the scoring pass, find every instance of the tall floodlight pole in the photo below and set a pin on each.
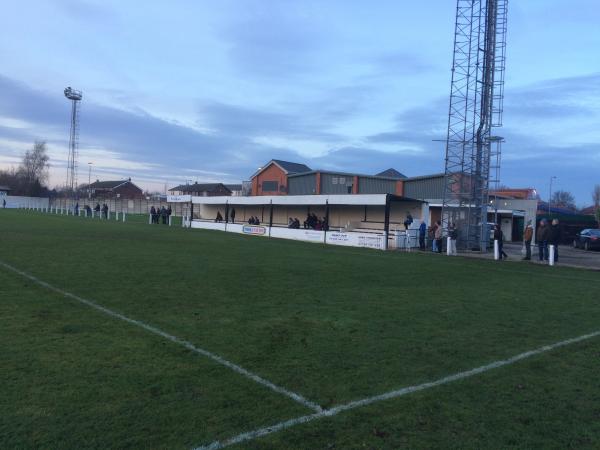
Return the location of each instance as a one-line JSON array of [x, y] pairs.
[[476, 97], [71, 184]]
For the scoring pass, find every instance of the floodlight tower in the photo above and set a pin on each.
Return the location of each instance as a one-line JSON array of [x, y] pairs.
[[476, 104], [75, 97]]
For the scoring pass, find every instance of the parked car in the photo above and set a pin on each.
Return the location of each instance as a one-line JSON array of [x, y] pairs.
[[587, 239]]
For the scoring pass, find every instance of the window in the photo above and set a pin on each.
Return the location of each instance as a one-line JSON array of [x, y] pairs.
[[270, 186]]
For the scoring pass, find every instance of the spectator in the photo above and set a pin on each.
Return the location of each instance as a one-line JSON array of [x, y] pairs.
[[296, 223], [422, 232], [232, 215], [543, 233], [88, 210], [169, 211], [77, 208], [408, 221], [219, 217], [554, 237], [97, 208], [290, 223], [438, 236], [453, 235], [499, 236], [153, 214], [4, 203], [324, 224], [105, 210], [527, 237]]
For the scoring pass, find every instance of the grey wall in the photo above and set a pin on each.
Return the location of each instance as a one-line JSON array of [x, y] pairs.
[[426, 188], [375, 186], [336, 184], [302, 185]]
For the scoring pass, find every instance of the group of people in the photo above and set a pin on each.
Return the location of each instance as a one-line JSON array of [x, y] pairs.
[[312, 222], [160, 212], [547, 234], [435, 235], [293, 223], [219, 217], [97, 209], [253, 220]]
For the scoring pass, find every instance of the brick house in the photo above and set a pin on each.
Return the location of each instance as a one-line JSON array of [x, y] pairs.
[[272, 179], [202, 190], [114, 189]]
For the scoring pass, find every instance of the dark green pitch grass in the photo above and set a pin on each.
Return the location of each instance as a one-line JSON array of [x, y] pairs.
[[333, 324]]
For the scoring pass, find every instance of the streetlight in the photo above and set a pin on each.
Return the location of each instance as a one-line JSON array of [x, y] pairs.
[[550, 195], [89, 180]]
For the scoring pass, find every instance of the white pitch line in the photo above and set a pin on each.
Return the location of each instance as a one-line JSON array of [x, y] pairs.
[[251, 435], [254, 377]]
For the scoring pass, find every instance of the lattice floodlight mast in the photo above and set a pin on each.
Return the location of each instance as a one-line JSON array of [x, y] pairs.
[[75, 97], [476, 99]]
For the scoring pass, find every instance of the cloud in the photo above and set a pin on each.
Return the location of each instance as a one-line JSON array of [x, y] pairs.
[[274, 40]]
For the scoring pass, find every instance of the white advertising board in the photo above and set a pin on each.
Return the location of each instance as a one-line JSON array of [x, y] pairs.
[[179, 198], [368, 240], [299, 235], [208, 225], [254, 230]]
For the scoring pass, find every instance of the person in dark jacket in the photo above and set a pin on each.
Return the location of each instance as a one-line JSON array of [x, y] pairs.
[[527, 237], [554, 237], [219, 217], [232, 215], [422, 233], [543, 234], [499, 236]]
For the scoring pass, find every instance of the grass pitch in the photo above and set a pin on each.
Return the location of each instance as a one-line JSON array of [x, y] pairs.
[[332, 324]]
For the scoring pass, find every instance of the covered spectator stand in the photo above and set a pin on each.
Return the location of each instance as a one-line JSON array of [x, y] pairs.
[[369, 220]]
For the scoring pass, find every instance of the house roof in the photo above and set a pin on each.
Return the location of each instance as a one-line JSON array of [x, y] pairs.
[[4, 188], [233, 187], [590, 210], [198, 187], [108, 184], [391, 173], [291, 167], [518, 193]]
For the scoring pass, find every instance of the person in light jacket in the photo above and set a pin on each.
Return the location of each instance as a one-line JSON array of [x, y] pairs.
[[438, 236]]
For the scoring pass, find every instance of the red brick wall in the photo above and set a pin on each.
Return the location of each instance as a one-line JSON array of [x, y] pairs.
[[271, 173], [399, 187]]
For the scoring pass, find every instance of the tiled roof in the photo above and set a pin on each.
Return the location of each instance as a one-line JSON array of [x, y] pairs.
[[198, 187], [391, 173], [292, 167]]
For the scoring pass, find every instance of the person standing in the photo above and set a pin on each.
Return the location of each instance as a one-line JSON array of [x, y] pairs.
[[453, 235], [542, 236], [554, 237], [422, 231], [527, 237], [232, 215], [408, 221], [499, 236], [438, 236]]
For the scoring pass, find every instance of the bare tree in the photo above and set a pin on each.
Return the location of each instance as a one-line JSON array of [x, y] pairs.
[[596, 196], [34, 167], [563, 199]]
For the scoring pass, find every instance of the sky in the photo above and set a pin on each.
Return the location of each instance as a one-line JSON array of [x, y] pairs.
[[209, 91]]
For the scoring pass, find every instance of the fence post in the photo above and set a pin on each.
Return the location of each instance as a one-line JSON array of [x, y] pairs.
[[149, 219], [496, 250], [169, 220], [551, 254], [123, 216]]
